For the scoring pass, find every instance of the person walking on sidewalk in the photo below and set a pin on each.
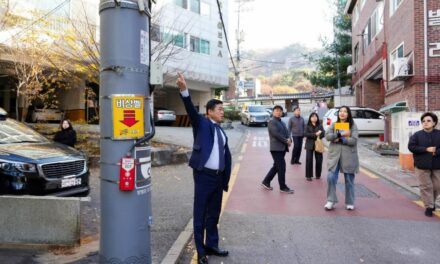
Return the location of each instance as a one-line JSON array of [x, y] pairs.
[[342, 157], [296, 129], [211, 163], [425, 146], [313, 130], [279, 144]]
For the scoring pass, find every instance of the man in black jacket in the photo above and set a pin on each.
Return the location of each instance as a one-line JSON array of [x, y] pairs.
[[425, 146]]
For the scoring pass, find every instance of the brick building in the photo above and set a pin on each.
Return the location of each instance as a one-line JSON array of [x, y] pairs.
[[396, 54]]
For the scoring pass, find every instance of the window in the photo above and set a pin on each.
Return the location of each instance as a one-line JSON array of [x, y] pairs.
[[205, 9], [199, 45], [204, 46], [394, 4], [371, 114], [377, 20], [366, 35], [181, 3], [195, 6], [397, 53], [174, 37]]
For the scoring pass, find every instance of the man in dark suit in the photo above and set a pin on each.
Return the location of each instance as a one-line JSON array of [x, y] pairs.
[[211, 163], [280, 142]]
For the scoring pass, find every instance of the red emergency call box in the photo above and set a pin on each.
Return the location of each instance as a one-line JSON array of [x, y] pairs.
[[127, 174]]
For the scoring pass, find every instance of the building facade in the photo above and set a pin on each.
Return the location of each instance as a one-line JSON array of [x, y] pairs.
[[396, 53], [396, 63], [53, 18], [188, 37]]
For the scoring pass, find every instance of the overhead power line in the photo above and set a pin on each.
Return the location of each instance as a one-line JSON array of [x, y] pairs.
[[41, 18], [226, 35]]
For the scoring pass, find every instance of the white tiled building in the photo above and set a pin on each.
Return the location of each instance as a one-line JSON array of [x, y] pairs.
[[199, 49]]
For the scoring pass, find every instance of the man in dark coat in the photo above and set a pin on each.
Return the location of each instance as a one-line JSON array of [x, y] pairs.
[[279, 144], [211, 163], [425, 146]]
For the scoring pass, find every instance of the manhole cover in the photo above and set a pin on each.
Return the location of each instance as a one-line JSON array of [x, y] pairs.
[[359, 191]]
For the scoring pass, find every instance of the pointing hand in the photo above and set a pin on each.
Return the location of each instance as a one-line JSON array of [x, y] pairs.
[[181, 83]]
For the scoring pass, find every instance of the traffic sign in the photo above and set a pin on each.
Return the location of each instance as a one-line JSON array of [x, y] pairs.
[[128, 117]]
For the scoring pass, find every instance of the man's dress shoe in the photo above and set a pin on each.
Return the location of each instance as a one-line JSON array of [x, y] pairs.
[[202, 260], [216, 252]]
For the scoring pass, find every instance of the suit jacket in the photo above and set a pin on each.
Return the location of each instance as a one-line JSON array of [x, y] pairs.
[[310, 134], [278, 135], [346, 153], [203, 132]]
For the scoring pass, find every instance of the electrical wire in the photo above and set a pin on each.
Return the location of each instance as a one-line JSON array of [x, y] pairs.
[[41, 18], [226, 35]]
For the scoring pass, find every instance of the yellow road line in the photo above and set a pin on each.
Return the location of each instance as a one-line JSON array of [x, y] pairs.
[[234, 174], [420, 203], [243, 149], [368, 173]]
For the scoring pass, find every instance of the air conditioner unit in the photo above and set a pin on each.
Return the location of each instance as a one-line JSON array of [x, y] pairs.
[[400, 69], [351, 69]]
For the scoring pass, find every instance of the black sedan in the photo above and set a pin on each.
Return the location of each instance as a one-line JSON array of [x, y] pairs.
[[32, 164]]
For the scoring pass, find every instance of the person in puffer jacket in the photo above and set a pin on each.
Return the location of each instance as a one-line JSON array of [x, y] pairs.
[[425, 146]]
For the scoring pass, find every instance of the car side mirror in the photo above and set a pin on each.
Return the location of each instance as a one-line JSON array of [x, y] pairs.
[[382, 117]]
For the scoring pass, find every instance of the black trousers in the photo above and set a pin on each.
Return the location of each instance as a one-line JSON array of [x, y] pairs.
[[208, 195], [279, 166], [309, 164], [297, 147]]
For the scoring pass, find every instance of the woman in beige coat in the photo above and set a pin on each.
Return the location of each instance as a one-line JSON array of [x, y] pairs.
[[342, 157]]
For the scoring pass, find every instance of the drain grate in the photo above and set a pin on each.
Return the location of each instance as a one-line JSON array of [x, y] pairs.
[[359, 191]]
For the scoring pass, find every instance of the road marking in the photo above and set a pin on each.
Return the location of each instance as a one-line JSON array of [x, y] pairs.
[[234, 174], [260, 142], [420, 203], [369, 174], [243, 149]]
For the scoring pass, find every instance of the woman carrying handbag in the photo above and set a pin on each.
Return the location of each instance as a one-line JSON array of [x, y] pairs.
[[314, 133]]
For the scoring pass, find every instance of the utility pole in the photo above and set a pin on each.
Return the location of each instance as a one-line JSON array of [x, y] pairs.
[[239, 37], [125, 163]]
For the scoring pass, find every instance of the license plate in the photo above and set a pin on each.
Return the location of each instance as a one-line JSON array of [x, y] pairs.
[[70, 182]]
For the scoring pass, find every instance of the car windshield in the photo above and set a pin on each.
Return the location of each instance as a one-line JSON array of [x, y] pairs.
[[257, 109], [12, 131]]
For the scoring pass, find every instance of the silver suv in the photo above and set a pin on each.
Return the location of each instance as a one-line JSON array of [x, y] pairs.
[[368, 120], [254, 115]]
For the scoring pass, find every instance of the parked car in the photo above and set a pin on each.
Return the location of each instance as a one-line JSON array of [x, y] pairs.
[[164, 116], [254, 115], [368, 121], [47, 115], [32, 164]]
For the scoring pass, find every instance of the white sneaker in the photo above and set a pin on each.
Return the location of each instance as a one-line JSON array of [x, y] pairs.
[[328, 206], [349, 207]]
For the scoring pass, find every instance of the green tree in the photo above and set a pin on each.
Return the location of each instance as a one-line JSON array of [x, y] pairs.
[[336, 54]]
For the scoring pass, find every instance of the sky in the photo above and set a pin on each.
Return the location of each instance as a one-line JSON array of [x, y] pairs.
[[273, 24]]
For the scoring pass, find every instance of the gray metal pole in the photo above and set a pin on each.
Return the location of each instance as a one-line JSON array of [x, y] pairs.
[[124, 118]]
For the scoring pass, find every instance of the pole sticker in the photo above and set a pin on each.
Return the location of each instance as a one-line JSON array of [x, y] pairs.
[[128, 117]]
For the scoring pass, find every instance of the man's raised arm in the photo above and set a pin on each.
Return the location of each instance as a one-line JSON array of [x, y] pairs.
[[189, 106]]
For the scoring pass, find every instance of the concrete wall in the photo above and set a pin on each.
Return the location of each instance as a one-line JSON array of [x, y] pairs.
[[39, 220]]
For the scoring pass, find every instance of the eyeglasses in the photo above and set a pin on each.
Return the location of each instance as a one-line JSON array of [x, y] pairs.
[[427, 121]]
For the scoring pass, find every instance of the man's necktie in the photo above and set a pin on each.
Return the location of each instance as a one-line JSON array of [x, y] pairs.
[[221, 148]]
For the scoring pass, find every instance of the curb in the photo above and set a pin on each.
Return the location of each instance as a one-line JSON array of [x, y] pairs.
[[394, 181], [177, 248]]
